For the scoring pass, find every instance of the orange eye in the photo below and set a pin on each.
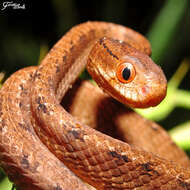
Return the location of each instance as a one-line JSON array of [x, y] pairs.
[[125, 72]]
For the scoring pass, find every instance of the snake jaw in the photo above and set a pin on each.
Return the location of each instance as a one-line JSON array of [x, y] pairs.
[[153, 95]]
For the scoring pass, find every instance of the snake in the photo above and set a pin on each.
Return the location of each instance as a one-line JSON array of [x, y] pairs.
[[44, 147]]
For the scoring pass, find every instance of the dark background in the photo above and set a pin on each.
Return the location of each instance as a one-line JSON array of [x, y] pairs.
[[23, 32]]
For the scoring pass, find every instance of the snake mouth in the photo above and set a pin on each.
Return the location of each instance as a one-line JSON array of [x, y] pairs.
[[150, 96], [142, 96]]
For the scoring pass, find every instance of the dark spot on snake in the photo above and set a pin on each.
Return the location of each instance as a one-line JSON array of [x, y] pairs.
[[25, 127], [20, 104], [37, 75], [69, 148], [1, 128], [71, 42], [24, 162], [3, 122], [21, 86], [41, 106], [76, 134], [118, 156], [183, 184], [57, 69], [154, 127], [31, 75], [57, 187], [107, 49], [149, 170], [146, 166], [125, 158], [40, 89], [64, 58]]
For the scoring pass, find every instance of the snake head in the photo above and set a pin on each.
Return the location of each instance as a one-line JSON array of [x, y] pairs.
[[126, 74]]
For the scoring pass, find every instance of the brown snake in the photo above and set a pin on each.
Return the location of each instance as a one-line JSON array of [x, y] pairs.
[[42, 144]]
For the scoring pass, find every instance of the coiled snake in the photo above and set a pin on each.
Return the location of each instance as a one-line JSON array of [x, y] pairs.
[[42, 145]]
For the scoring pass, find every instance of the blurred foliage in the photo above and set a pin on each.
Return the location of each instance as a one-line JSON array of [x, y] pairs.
[[27, 35], [2, 75], [164, 27], [6, 184], [180, 134]]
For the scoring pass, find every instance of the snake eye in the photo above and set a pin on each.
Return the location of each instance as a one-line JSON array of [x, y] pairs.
[[125, 72]]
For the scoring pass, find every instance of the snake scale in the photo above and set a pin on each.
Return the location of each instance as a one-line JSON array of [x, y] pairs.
[[43, 147]]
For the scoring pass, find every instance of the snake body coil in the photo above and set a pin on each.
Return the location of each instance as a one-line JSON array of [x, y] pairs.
[[42, 144]]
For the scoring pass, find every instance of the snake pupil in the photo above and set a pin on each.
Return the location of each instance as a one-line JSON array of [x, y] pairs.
[[126, 73]]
